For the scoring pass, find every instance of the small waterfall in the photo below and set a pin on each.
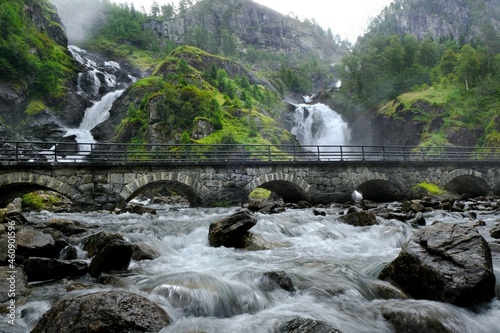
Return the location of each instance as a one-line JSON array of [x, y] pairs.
[[317, 124]]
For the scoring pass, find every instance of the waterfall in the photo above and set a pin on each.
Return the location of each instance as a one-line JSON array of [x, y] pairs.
[[101, 83], [317, 124]]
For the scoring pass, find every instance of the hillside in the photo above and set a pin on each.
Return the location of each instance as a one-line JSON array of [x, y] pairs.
[[421, 85]]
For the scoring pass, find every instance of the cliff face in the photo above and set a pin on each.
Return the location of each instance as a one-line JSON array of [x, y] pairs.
[[252, 24], [459, 19]]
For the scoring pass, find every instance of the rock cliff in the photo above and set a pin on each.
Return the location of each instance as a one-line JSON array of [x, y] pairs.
[[252, 24], [462, 20]]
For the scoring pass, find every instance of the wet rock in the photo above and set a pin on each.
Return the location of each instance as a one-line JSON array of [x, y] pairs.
[[253, 242], [108, 311], [495, 231], [415, 317], [94, 243], [67, 227], [141, 210], [303, 325], [444, 262], [230, 231], [16, 217], [418, 220], [265, 207], [275, 280], [359, 218], [115, 256], [144, 251], [412, 206], [69, 253], [43, 269], [34, 243]]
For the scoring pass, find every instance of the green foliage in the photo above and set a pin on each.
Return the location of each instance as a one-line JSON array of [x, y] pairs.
[[260, 193], [39, 200], [29, 56]]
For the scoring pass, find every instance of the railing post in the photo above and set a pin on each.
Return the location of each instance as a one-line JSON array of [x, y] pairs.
[[362, 153], [17, 152], [341, 153], [319, 153], [383, 153], [125, 154], [269, 153]]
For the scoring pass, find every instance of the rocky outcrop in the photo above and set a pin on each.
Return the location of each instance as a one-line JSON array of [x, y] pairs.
[[252, 24], [108, 311], [359, 219], [444, 262], [460, 19]]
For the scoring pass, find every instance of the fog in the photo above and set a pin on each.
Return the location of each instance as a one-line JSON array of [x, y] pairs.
[[78, 16]]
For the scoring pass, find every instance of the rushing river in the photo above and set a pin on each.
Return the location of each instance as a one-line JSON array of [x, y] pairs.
[[333, 267]]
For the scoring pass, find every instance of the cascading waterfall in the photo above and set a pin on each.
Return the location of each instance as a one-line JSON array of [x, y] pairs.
[[97, 83], [317, 124]]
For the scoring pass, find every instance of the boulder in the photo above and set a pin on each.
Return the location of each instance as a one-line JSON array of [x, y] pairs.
[[94, 243], [34, 243], [359, 219], [229, 232], [43, 269], [144, 251], [115, 256], [107, 311], [12, 281], [302, 325], [415, 317], [412, 206], [444, 262], [495, 232], [274, 280]]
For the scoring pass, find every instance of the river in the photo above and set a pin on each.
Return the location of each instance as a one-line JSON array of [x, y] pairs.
[[333, 267]]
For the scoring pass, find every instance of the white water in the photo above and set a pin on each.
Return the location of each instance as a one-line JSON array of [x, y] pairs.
[[332, 265], [317, 124]]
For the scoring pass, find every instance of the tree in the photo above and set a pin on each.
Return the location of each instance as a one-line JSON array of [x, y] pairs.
[[468, 65], [155, 9]]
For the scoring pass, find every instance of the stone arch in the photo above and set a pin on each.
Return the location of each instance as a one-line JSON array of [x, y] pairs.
[[185, 185], [289, 187], [16, 184], [469, 181], [376, 187]]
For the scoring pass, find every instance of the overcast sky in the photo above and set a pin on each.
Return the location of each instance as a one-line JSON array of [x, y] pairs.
[[347, 18]]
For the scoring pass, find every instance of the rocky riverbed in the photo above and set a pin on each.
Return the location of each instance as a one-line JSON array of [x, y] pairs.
[[155, 268]]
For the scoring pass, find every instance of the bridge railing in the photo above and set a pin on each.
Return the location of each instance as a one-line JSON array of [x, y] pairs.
[[61, 152]]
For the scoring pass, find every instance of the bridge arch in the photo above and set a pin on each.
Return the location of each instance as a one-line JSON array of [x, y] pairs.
[[376, 187], [16, 184], [181, 183], [468, 181], [289, 187]]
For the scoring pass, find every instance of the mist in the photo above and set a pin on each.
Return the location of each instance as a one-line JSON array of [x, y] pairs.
[[78, 16]]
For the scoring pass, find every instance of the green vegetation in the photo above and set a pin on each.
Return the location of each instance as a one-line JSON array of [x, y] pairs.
[[39, 200], [431, 189], [30, 57], [445, 84], [260, 193]]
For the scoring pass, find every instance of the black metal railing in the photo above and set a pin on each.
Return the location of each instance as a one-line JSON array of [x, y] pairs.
[[103, 153]]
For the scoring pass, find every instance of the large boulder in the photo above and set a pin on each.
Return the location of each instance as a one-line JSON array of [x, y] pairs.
[[116, 256], [94, 243], [229, 232], [34, 243], [444, 262], [107, 311]]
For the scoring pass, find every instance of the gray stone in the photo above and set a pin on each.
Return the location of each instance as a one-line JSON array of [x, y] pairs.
[[42, 269], [107, 311], [115, 256], [229, 232], [444, 262]]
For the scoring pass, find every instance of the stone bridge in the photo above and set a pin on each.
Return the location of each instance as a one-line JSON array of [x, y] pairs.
[[107, 185]]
